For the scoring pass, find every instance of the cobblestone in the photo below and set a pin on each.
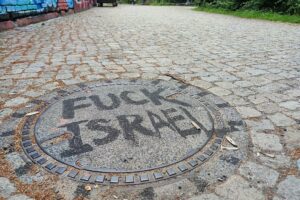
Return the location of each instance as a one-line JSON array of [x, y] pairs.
[[258, 174], [298, 164], [237, 188], [289, 188], [6, 187], [260, 125], [206, 197], [248, 112], [15, 160], [291, 105], [280, 119], [279, 161], [219, 91], [251, 64], [19, 197], [16, 102], [265, 141], [292, 138], [5, 112]]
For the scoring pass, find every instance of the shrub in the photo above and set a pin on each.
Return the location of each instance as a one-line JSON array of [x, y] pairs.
[[281, 6]]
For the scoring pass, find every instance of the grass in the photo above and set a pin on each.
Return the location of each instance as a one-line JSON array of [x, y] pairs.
[[252, 14]]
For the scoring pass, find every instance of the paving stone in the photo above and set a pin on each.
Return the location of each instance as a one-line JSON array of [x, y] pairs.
[[295, 115], [263, 82], [265, 141], [6, 187], [279, 161], [238, 188], [211, 78], [5, 112], [19, 197], [130, 75], [248, 112], [273, 87], [94, 77], [29, 75], [298, 164], [206, 197], [235, 100], [280, 119], [168, 191], [276, 97], [260, 125], [243, 83], [226, 85], [219, 91], [29, 179], [292, 137], [16, 102], [34, 93], [289, 188], [256, 72], [268, 108], [64, 76], [291, 105], [5, 83], [277, 198], [201, 84], [50, 86], [114, 76], [71, 81], [15, 160], [293, 93], [258, 174]]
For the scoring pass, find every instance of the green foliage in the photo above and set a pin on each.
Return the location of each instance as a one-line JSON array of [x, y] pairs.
[[253, 14], [166, 2], [281, 6]]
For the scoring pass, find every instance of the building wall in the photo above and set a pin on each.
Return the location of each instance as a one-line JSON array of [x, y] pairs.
[[83, 4], [13, 9]]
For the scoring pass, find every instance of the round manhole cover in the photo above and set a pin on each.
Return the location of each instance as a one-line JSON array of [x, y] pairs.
[[126, 132]]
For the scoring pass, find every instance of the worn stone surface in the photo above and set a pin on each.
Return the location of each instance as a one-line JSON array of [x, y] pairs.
[[206, 197], [16, 102], [280, 119], [19, 197], [238, 188], [260, 125], [291, 105], [259, 174], [292, 137], [266, 141], [289, 188], [5, 112], [15, 160], [279, 161], [6, 187], [182, 189], [248, 112]]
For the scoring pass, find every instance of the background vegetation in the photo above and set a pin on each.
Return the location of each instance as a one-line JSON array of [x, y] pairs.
[[291, 7]]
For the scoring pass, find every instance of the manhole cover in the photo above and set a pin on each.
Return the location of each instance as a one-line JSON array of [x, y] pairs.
[[126, 132]]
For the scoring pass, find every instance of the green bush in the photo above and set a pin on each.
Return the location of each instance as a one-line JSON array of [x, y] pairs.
[[280, 6]]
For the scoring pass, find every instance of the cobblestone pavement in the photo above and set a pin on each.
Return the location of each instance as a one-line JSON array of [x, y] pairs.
[[254, 65]]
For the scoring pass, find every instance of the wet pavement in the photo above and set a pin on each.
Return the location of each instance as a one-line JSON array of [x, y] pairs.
[[246, 71]]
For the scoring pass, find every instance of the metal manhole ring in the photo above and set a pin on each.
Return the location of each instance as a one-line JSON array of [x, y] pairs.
[[130, 130]]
